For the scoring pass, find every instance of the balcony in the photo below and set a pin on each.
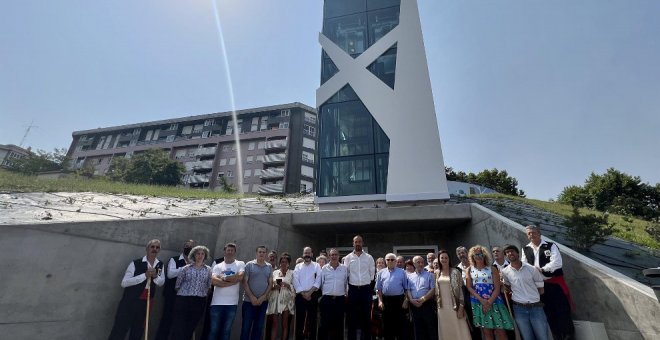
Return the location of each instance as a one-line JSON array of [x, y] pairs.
[[274, 158], [199, 165], [276, 144], [205, 151], [125, 138], [194, 179], [272, 173], [271, 189]]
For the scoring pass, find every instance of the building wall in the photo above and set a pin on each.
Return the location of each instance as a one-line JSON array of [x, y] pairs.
[[10, 152], [202, 142]]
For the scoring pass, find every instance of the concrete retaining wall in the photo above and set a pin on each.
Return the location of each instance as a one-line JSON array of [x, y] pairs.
[[62, 280]]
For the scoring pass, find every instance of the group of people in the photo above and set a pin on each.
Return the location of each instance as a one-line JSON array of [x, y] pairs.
[[416, 299]]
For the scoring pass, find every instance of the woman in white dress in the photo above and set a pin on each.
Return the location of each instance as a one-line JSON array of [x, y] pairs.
[[452, 323], [281, 303]]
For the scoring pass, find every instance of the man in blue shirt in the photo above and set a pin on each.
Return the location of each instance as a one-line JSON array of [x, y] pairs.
[[391, 284], [421, 288]]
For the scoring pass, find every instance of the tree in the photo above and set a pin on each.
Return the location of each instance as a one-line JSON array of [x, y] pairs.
[[41, 161], [118, 169], [150, 167], [615, 192], [586, 230], [497, 180]]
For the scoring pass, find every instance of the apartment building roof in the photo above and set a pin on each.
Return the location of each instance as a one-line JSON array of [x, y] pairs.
[[196, 117]]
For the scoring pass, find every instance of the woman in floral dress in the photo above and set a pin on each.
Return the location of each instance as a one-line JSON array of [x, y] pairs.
[[281, 302], [483, 282]]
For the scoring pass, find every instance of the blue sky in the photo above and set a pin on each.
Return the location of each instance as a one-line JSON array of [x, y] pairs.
[[548, 90]]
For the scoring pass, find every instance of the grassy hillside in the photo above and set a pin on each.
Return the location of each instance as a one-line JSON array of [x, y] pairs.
[[627, 228], [13, 182]]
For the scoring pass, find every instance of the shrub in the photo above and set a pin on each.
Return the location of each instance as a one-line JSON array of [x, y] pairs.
[[586, 230]]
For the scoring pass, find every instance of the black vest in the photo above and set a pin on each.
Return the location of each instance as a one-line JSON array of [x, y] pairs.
[[134, 292], [169, 289], [543, 258]]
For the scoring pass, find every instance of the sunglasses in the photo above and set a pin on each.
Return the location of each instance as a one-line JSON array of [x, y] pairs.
[[479, 255], [390, 259]]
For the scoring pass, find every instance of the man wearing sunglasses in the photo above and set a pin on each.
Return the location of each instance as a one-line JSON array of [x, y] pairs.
[[132, 308]]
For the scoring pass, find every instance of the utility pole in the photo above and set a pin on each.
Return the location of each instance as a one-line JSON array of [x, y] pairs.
[[27, 131]]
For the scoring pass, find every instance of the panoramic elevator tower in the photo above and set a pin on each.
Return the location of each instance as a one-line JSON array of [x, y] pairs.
[[378, 138]]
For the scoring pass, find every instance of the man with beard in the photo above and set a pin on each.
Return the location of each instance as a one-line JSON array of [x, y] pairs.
[[545, 256], [131, 313], [169, 293], [463, 265], [526, 283], [306, 281], [361, 271]]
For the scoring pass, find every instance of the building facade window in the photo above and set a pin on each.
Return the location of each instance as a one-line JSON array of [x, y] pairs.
[[251, 146], [309, 143], [285, 113], [187, 130], [264, 123], [223, 161], [261, 145], [354, 150], [250, 159], [232, 161], [308, 157], [284, 125], [309, 130], [247, 173]]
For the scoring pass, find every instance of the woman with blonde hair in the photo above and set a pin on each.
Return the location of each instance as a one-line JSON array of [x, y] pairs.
[[452, 323], [483, 282]]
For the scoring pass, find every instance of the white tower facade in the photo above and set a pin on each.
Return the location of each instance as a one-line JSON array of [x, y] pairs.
[[378, 138]]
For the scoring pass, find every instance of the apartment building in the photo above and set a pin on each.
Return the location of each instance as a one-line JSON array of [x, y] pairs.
[[10, 152], [277, 147]]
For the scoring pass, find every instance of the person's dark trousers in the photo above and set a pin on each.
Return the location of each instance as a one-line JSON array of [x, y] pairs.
[[358, 313], [475, 332], [130, 316], [393, 317], [425, 321], [165, 324], [558, 311], [254, 318], [306, 316], [188, 311], [332, 317]]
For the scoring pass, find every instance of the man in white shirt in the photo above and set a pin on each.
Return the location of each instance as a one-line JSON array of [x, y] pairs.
[[306, 281], [499, 260], [131, 313], [361, 270], [526, 284], [226, 279], [169, 293], [334, 278], [546, 258]]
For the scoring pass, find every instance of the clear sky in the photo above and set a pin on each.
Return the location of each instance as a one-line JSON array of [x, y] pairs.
[[548, 90]]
